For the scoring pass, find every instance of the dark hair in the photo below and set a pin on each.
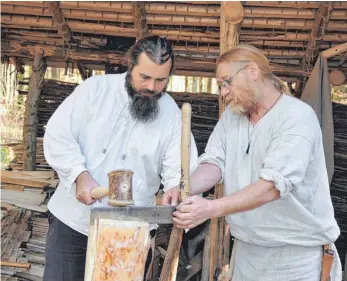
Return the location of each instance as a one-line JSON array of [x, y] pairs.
[[158, 49]]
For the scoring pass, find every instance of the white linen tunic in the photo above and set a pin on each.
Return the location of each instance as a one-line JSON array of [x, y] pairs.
[[286, 148], [93, 130]]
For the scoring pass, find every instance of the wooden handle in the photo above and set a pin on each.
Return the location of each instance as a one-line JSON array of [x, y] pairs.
[[99, 192], [169, 268], [15, 264], [185, 150]]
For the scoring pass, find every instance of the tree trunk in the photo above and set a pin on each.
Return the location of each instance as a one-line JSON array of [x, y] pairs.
[[31, 108]]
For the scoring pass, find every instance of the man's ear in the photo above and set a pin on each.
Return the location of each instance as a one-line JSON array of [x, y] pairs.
[[254, 71]]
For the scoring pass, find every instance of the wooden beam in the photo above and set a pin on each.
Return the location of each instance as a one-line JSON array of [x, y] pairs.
[[339, 49], [139, 14], [59, 21], [85, 73], [19, 67], [318, 30], [343, 59], [31, 109], [292, 4]]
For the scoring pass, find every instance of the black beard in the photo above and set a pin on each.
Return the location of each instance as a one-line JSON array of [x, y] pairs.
[[143, 109]]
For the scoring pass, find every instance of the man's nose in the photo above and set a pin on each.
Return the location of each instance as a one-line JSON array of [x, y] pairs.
[[151, 85]]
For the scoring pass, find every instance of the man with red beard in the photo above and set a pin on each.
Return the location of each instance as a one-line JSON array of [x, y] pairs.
[[267, 149], [109, 122]]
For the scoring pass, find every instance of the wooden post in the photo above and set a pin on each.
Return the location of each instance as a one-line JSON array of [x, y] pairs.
[[139, 13], [85, 73], [31, 108], [59, 20], [17, 64], [230, 21], [318, 30]]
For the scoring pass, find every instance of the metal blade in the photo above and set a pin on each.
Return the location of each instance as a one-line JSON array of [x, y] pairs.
[[157, 214]]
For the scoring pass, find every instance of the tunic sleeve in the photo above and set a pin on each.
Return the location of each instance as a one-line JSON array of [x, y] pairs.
[[61, 148], [286, 162]]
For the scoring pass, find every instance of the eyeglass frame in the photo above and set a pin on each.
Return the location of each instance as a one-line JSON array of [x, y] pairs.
[[227, 82]]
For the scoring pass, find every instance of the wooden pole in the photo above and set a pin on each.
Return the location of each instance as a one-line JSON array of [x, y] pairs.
[[19, 67], [169, 269], [139, 13], [339, 49], [59, 21], [85, 73], [31, 109], [318, 30], [230, 22]]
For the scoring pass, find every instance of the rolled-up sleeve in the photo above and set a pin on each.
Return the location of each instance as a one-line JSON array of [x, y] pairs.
[[171, 162], [286, 162], [61, 148], [215, 151]]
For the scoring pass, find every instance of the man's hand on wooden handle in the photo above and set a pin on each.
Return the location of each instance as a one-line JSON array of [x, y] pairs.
[[84, 184]]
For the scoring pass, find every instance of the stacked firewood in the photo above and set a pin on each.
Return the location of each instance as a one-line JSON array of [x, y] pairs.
[[17, 162], [24, 224], [338, 188]]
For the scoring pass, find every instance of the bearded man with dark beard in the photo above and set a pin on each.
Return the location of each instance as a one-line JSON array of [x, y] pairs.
[[267, 149], [111, 122]]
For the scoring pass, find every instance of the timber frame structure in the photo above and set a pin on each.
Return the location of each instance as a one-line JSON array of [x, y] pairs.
[[94, 34]]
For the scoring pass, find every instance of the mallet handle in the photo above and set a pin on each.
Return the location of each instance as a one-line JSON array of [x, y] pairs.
[[99, 192]]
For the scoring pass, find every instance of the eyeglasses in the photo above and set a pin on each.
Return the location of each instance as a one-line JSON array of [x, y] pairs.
[[226, 83]]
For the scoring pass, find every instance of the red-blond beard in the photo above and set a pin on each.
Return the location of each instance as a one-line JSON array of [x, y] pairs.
[[243, 99]]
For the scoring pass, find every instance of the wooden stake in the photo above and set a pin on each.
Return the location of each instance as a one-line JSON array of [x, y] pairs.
[[169, 269], [31, 108]]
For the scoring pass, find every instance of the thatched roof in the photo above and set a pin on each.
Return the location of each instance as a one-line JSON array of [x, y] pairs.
[[100, 32]]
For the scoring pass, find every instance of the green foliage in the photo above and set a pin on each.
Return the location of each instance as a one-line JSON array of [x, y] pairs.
[[6, 156]]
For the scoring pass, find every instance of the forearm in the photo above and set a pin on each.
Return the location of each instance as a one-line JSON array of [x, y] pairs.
[[204, 178], [248, 198]]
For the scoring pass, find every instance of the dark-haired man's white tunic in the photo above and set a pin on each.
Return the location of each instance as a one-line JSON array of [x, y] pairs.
[[93, 130]]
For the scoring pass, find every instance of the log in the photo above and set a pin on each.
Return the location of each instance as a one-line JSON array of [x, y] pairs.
[[293, 4], [339, 49], [59, 21], [231, 17], [124, 15], [85, 73], [140, 21], [117, 250], [76, 25], [318, 30], [31, 109], [19, 67]]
